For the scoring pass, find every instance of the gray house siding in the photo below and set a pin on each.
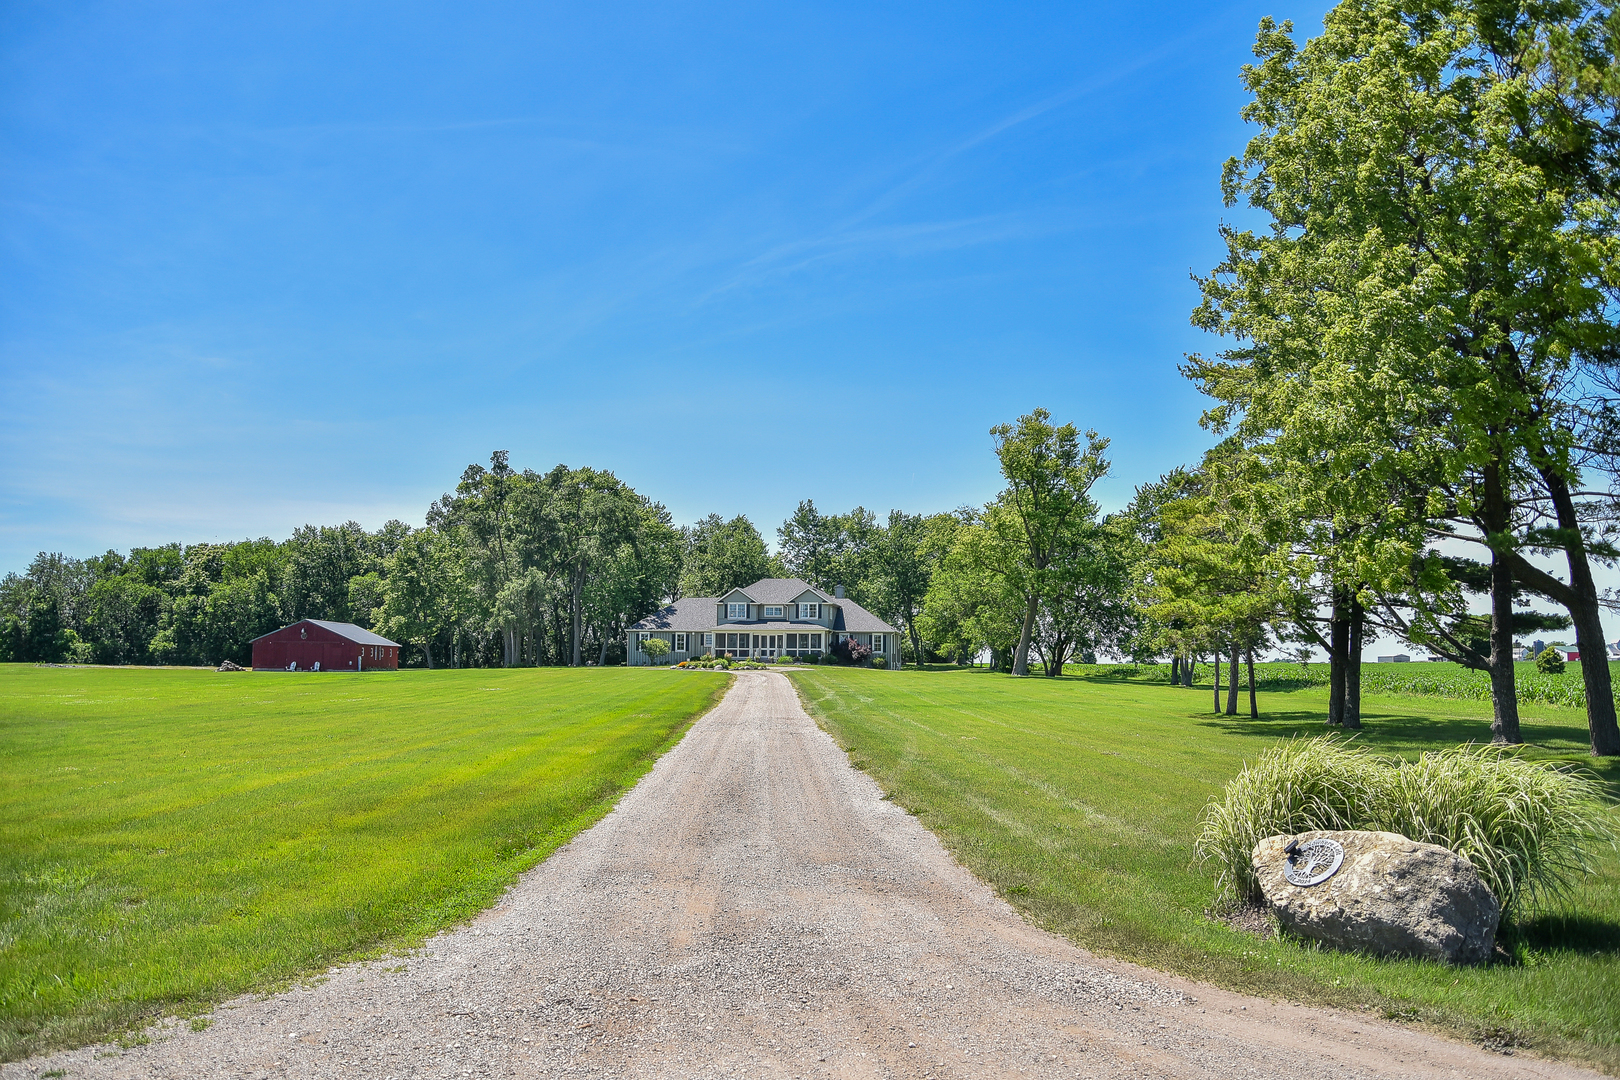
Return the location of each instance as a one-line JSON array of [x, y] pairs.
[[694, 646]]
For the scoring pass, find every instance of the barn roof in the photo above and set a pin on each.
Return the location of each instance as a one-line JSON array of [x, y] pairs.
[[357, 634]]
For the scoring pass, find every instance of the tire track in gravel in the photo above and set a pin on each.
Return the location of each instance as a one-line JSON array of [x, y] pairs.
[[754, 907]]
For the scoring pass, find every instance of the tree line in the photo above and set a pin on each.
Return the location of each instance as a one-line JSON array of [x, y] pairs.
[[517, 568]]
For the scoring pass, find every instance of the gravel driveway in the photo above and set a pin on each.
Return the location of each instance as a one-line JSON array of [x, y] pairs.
[[755, 908]]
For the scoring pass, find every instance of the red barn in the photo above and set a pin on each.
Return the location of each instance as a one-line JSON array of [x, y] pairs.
[[318, 645]]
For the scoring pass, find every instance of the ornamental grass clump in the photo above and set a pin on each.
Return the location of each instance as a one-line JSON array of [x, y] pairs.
[[1294, 787], [1526, 828]]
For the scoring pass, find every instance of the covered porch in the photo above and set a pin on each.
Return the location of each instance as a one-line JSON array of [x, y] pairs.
[[747, 645]]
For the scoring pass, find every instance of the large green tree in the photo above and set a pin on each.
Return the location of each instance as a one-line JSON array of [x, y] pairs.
[[812, 545], [531, 545], [833, 550], [593, 517], [722, 555], [422, 593], [903, 557], [1214, 575], [1048, 503], [1086, 606], [977, 594], [635, 578], [1432, 292]]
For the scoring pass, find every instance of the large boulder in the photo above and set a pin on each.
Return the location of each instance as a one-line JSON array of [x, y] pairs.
[[1390, 896]]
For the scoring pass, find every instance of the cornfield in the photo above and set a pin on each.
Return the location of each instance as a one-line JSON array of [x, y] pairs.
[[1420, 679], [1437, 680]]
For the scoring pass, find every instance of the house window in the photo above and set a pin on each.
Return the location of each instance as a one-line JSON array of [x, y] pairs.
[[708, 641], [773, 612], [809, 611], [680, 642], [736, 611], [815, 642], [877, 643]]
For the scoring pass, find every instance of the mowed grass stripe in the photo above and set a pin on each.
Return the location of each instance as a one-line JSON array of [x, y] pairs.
[[172, 837], [1078, 799]]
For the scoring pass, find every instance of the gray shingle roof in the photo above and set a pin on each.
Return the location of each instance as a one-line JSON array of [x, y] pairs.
[[699, 612], [854, 619], [357, 634], [687, 613], [783, 590]]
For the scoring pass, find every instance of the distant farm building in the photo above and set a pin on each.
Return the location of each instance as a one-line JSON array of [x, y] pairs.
[[318, 645]]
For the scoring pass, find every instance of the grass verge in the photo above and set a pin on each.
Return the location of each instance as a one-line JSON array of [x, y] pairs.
[[170, 838], [1078, 799]]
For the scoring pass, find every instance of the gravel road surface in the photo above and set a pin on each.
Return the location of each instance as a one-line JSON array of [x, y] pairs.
[[754, 908]]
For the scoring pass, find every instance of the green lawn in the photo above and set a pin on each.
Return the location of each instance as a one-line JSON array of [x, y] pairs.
[[1078, 799], [169, 838]]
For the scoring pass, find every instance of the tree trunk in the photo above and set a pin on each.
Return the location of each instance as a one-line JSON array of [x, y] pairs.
[[1352, 666], [574, 614], [1232, 684], [427, 651], [1021, 657], [1338, 654], [1504, 693], [1600, 713], [916, 644], [1585, 614], [1052, 663], [1189, 672], [1254, 704], [601, 656], [1217, 680], [1175, 671]]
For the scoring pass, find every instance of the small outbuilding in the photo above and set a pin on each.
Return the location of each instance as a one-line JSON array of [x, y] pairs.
[[319, 645]]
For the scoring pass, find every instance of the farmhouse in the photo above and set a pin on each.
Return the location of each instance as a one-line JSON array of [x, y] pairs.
[[770, 618], [319, 645]]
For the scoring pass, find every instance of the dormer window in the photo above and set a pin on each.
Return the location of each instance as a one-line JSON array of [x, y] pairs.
[[736, 611], [809, 611], [773, 612]]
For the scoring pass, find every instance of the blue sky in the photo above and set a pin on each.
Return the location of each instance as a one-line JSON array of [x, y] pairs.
[[263, 265]]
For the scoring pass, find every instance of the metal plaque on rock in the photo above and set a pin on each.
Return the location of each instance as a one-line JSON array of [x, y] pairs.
[[1312, 862]]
